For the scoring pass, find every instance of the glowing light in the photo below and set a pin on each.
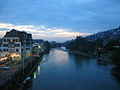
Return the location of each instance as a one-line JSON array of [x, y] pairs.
[[38, 70], [3, 59], [5, 55], [11, 40], [28, 53], [15, 55], [35, 75], [39, 46]]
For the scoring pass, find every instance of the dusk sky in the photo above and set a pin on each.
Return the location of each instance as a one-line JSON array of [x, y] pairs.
[[59, 20]]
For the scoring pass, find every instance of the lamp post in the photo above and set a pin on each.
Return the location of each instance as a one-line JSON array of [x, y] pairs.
[[10, 71], [11, 46]]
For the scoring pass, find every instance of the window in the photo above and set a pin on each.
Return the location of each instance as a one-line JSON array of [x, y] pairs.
[[17, 40], [4, 40], [8, 40], [5, 45], [22, 50], [5, 50], [17, 50], [13, 40], [12, 50], [22, 44], [27, 49], [17, 45]]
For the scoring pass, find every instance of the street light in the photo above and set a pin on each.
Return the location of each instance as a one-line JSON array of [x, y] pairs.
[[11, 46]]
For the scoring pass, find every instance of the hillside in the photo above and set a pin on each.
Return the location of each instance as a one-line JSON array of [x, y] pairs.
[[106, 36]]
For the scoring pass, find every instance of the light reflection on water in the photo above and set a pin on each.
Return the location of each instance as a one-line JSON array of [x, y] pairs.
[[35, 75], [37, 72], [38, 69]]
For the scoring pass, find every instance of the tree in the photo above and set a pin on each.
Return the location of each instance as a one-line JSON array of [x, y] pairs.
[[47, 44], [81, 44]]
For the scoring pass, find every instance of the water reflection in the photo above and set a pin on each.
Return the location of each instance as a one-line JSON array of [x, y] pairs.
[[116, 73], [57, 57], [114, 69], [62, 71], [80, 61], [35, 75], [37, 72]]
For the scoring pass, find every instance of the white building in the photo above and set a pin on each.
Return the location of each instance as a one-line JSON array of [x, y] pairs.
[[18, 42], [11, 44]]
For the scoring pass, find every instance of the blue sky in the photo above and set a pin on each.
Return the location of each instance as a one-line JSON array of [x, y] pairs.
[[59, 20]]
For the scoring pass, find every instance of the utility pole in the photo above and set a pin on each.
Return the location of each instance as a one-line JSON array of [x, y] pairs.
[[10, 72], [10, 45]]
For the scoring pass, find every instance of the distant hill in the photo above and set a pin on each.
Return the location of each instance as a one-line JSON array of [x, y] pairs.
[[113, 34], [106, 36]]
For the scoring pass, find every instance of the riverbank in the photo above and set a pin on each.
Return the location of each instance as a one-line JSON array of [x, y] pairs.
[[104, 58], [82, 53]]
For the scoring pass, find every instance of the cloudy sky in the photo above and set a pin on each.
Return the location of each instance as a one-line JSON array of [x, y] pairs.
[[59, 20]]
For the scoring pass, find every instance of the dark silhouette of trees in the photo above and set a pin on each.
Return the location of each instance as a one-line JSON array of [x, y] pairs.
[[47, 44], [80, 44], [116, 57]]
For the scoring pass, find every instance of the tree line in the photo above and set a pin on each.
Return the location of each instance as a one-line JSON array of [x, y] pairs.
[[98, 46]]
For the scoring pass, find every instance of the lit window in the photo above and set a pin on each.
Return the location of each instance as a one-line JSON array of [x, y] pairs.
[[11, 40]]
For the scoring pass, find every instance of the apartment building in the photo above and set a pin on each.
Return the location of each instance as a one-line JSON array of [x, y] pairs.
[[17, 41]]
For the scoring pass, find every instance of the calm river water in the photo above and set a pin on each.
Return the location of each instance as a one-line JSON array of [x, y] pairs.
[[60, 70]]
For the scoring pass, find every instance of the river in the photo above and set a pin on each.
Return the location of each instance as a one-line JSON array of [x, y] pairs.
[[60, 70]]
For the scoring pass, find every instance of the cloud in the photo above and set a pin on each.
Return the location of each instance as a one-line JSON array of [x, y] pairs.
[[88, 15], [2, 33], [42, 31]]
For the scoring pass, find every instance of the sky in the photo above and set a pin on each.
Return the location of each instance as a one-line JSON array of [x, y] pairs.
[[59, 20]]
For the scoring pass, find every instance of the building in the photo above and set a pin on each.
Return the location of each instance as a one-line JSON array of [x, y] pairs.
[[39, 42], [16, 41], [0, 44]]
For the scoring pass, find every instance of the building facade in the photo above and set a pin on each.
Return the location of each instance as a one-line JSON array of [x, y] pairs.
[[17, 42]]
